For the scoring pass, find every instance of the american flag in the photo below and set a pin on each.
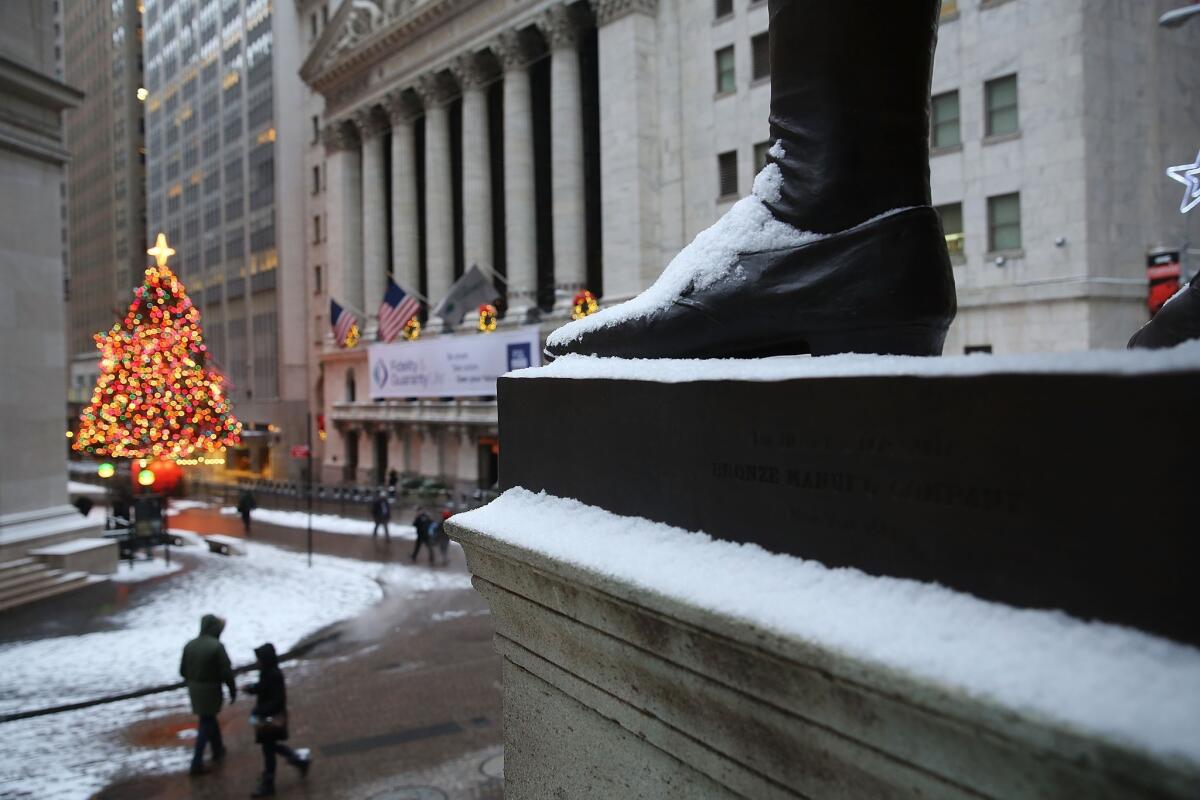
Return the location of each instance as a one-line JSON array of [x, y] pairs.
[[342, 321], [397, 308]]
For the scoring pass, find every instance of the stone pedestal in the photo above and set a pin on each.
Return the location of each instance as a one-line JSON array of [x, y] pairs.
[[615, 692], [1024, 482]]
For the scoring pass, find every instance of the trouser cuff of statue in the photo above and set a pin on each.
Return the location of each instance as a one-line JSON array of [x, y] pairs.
[[838, 248]]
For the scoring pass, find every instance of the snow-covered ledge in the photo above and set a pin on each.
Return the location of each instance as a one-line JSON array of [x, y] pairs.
[[646, 661]]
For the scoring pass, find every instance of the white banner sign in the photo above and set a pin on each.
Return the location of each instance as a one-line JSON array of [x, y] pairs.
[[451, 366]]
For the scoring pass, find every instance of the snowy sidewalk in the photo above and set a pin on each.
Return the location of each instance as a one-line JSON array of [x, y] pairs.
[[268, 595]]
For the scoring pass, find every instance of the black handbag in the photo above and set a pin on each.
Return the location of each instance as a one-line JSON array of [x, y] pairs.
[[274, 725]]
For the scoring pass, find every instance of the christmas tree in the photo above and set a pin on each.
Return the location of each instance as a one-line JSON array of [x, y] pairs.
[[154, 396]]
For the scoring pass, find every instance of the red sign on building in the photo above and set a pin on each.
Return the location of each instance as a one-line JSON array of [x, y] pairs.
[[299, 451], [1162, 271]]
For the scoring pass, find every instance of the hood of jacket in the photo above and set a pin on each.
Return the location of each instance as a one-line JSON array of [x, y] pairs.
[[211, 625], [267, 659]]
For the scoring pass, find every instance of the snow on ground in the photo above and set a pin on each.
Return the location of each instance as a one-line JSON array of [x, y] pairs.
[[79, 487], [176, 506], [1112, 682], [1183, 357], [145, 569], [267, 595], [328, 523]]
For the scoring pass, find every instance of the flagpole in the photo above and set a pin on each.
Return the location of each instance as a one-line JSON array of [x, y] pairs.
[[413, 292], [492, 273]]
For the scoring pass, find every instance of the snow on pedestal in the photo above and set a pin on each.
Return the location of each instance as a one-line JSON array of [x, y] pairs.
[[728, 669]]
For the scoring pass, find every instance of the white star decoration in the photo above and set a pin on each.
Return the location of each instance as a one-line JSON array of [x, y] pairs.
[[1189, 176]]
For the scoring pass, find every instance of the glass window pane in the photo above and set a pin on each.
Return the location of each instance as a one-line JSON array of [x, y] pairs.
[[760, 52], [945, 130], [727, 174], [952, 226], [1003, 121], [760, 155], [1001, 102], [1004, 222], [725, 72]]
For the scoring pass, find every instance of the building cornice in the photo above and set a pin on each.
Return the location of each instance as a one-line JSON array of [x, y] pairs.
[[18, 80], [361, 32], [607, 11], [31, 106], [365, 52]]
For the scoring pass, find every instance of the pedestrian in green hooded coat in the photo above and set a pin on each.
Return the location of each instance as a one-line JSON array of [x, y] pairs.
[[205, 666]]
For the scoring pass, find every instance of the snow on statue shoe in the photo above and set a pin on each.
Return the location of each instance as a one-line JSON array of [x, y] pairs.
[[752, 286], [1177, 321], [838, 248]]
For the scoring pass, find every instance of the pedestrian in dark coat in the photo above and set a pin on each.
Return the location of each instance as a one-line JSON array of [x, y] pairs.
[[205, 666], [381, 512], [270, 720], [439, 537], [245, 505], [422, 523]]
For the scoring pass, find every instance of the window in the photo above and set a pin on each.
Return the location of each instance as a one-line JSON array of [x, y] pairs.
[[977, 348], [316, 123], [317, 229], [944, 130], [312, 26], [724, 8], [949, 9], [760, 155], [1001, 100], [760, 56], [727, 174], [316, 179], [726, 81], [1004, 222], [325, 14], [317, 279], [952, 226]]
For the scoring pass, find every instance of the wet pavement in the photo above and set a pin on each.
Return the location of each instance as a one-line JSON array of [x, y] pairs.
[[400, 703]]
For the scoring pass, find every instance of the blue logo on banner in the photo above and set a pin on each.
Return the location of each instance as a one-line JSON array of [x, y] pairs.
[[519, 356], [381, 373]]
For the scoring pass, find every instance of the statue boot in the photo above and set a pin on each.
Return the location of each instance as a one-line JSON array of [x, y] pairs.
[[837, 249]]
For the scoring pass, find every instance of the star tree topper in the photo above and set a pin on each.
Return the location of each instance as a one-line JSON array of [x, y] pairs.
[[1189, 176]]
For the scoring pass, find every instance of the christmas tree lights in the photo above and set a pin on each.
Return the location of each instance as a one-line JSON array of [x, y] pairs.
[[154, 396]]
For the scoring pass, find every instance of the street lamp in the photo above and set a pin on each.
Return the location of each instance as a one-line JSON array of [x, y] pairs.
[[1177, 16]]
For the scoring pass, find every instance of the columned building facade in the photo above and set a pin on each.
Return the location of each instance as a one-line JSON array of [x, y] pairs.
[[570, 144], [460, 134]]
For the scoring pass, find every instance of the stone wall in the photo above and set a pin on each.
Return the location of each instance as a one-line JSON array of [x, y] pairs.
[[611, 691]]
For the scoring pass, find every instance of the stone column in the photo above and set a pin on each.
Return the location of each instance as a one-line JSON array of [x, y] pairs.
[[561, 26], [473, 77], [371, 126], [435, 91], [343, 222], [627, 44], [403, 108], [520, 224]]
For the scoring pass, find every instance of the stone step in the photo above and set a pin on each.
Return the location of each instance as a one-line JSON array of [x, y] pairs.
[[17, 580], [61, 583], [18, 572], [17, 564], [29, 583]]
